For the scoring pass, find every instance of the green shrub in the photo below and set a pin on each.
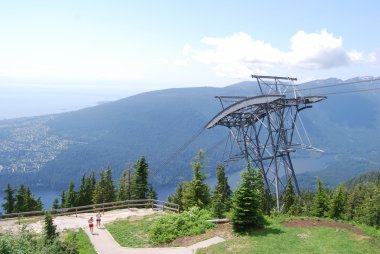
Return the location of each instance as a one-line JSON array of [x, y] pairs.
[[170, 227], [26, 242]]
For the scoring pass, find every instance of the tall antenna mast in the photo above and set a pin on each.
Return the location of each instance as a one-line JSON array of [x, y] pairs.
[[265, 129]]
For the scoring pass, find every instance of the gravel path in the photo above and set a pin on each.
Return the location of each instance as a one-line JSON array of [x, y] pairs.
[[77, 221]]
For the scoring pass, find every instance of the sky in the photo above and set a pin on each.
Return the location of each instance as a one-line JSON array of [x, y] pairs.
[[63, 55]]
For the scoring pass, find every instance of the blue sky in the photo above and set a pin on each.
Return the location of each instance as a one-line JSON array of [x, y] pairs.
[[135, 46]]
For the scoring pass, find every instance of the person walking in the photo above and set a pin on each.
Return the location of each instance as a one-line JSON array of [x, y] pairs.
[[91, 225], [98, 219]]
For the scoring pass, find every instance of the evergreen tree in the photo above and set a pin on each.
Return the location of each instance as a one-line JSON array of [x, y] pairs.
[[125, 185], [262, 193], [338, 203], [307, 200], [320, 204], [9, 205], [32, 204], [86, 190], [355, 200], [55, 204], [20, 203], [196, 192], [152, 193], [221, 197], [63, 199], [82, 192], [39, 205], [105, 189], [50, 233], [29, 204], [140, 179], [25, 201], [289, 198], [369, 211], [177, 197], [218, 208], [247, 212], [269, 201], [71, 196]]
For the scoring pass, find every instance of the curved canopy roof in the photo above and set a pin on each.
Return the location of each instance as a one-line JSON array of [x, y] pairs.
[[243, 104]]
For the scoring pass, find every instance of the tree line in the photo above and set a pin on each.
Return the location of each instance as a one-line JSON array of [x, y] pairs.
[[247, 205], [133, 184]]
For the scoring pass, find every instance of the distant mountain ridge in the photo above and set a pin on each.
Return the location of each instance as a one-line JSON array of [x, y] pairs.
[[57, 148]]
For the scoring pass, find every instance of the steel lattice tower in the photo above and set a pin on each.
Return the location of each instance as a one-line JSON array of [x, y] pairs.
[[264, 128]]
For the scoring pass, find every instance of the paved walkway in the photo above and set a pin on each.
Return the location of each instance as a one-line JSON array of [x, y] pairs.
[[105, 244]]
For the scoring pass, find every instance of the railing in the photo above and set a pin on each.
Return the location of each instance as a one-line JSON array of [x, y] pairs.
[[141, 203]]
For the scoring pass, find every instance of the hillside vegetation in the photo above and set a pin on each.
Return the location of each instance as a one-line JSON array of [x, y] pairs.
[[49, 151]]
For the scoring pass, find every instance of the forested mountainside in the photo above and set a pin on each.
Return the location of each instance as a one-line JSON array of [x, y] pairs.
[[49, 151]]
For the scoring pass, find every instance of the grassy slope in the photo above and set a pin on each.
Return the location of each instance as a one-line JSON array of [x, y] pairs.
[[84, 244], [276, 238], [131, 234]]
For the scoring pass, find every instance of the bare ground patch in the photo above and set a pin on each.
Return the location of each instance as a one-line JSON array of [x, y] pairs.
[[222, 230], [322, 223]]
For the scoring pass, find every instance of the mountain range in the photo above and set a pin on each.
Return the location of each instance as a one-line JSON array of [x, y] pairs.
[[47, 152]]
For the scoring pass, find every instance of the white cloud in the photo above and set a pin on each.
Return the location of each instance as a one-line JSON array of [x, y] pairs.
[[239, 55], [317, 51]]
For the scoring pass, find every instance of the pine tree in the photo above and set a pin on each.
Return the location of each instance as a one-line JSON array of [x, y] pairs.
[[140, 179], [355, 200], [125, 185], [39, 205], [218, 208], [338, 203], [307, 200], [105, 189], [221, 197], [55, 204], [29, 200], [369, 211], [63, 199], [9, 205], [71, 196], [320, 204], [25, 201], [49, 229], [196, 192], [269, 202], [86, 189], [20, 204], [247, 212], [177, 197], [289, 198], [262, 193], [152, 193], [82, 192]]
